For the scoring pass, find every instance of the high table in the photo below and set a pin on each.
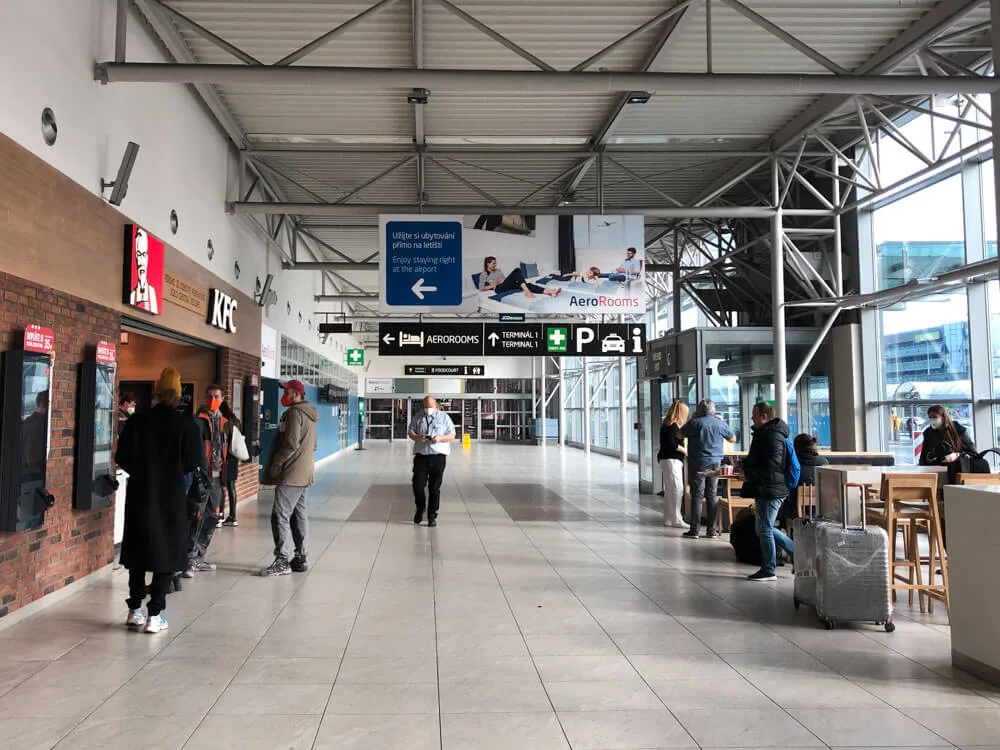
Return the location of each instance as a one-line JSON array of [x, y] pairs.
[[973, 515]]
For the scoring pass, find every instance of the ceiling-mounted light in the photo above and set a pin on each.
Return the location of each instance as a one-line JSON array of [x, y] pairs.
[[418, 96], [639, 97]]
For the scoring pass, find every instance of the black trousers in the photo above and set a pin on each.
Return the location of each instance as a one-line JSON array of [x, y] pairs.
[[514, 281], [203, 527], [157, 590], [428, 470]]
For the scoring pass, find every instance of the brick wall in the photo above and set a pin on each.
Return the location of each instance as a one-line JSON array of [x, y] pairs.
[[71, 544], [238, 366]]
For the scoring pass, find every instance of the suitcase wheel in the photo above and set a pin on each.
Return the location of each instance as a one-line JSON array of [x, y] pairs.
[[831, 624], [889, 627]]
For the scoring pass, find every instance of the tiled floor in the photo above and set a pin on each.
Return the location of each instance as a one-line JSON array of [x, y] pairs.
[[582, 624]]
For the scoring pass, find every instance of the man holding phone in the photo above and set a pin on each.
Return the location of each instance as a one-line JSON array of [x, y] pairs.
[[431, 432]]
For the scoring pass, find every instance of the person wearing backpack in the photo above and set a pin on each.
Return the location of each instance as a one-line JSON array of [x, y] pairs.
[[771, 469]]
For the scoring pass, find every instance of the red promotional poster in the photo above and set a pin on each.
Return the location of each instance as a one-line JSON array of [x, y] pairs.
[[144, 260], [105, 353], [38, 339]]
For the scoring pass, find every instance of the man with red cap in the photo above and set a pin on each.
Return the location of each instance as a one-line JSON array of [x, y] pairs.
[[291, 469]]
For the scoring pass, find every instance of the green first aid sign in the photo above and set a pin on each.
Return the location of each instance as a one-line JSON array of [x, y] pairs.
[[355, 356], [557, 340]]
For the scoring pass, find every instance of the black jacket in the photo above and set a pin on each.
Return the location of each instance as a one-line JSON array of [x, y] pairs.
[[670, 441], [157, 448], [764, 466], [933, 438], [809, 464]]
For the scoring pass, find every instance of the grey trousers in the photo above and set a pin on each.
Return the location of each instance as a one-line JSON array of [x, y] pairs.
[[203, 528], [288, 519]]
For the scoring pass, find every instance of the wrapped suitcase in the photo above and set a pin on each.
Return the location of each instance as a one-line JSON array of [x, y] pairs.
[[804, 584], [851, 566]]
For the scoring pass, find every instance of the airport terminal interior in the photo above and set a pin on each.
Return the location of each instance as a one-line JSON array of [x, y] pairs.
[[687, 313]]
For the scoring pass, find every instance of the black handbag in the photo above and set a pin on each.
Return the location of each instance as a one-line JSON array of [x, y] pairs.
[[970, 463]]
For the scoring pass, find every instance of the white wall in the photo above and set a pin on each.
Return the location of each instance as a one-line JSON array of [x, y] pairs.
[[48, 49]]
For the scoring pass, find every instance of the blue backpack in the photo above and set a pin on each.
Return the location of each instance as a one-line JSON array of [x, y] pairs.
[[793, 469]]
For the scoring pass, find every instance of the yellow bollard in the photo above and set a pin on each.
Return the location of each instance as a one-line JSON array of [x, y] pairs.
[[466, 440]]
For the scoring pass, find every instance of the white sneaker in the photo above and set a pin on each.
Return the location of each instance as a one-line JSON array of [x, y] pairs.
[[136, 618], [155, 624]]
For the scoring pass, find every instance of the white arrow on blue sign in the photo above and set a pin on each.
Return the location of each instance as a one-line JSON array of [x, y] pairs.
[[421, 263]]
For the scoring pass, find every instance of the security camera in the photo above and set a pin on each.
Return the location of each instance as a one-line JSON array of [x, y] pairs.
[[418, 96], [120, 185]]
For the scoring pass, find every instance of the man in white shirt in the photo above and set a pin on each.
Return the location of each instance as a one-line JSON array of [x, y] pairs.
[[431, 432], [630, 266]]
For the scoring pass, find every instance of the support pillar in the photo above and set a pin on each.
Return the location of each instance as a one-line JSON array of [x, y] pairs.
[[586, 404], [623, 411], [562, 402], [778, 299], [676, 298], [534, 402], [542, 403]]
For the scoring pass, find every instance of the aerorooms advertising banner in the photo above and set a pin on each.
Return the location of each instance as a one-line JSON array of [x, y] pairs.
[[504, 263]]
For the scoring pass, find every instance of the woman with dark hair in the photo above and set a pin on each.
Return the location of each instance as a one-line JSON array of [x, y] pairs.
[[492, 279], [232, 467], [806, 449], [944, 439]]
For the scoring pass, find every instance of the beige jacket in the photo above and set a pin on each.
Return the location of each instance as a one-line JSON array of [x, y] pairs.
[[293, 455]]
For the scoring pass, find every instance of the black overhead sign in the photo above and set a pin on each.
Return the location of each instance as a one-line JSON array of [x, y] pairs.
[[430, 339], [446, 370], [511, 340]]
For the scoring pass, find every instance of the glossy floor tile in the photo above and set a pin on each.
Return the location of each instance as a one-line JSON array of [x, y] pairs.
[[550, 609]]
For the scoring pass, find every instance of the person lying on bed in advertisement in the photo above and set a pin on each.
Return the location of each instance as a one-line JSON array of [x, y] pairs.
[[591, 276], [493, 279]]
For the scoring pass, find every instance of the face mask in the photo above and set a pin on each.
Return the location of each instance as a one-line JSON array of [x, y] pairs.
[[431, 410], [286, 400], [937, 423], [130, 410], [214, 404]]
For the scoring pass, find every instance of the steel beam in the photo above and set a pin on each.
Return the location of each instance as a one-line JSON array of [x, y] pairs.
[[201, 31], [496, 36], [328, 37], [329, 266], [343, 297], [121, 29], [341, 79], [371, 209], [778, 302]]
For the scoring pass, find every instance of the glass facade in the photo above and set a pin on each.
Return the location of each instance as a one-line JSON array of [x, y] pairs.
[[931, 348]]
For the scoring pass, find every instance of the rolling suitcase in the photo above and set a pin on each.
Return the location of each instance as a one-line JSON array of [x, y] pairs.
[[851, 566], [804, 584]]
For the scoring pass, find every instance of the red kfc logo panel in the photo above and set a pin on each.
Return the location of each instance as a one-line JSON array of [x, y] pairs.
[[143, 270]]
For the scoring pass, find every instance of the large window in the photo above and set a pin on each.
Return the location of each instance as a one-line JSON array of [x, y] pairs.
[[921, 235]]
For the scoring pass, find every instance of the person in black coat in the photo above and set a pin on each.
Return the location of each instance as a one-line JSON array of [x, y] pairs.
[[764, 472], [157, 448], [942, 433]]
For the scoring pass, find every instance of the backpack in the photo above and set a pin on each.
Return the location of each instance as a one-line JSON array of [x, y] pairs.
[[793, 469], [743, 537]]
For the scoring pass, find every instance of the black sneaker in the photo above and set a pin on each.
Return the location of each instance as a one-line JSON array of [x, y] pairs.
[[418, 516], [432, 522], [279, 567], [712, 534], [299, 564], [691, 535], [762, 575]]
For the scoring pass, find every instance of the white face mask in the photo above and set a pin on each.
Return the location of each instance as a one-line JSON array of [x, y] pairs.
[[130, 410], [430, 409], [937, 423]]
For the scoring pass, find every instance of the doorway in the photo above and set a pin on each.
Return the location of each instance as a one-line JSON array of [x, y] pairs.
[[143, 353]]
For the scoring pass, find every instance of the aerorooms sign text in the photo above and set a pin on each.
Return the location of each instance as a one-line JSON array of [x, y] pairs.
[[222, 311]]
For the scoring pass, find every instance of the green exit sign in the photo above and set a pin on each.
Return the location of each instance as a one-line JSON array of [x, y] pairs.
[[355, 356]]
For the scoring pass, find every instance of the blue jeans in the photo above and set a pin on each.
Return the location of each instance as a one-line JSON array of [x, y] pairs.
[[766, 510]]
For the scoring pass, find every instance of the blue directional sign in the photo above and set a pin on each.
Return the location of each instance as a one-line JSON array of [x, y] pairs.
[[423, 263]]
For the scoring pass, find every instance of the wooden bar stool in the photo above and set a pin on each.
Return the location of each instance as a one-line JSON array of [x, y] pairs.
[[909, 504], [733, 500]]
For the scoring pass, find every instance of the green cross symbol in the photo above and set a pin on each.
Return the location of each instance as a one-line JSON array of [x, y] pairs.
[[356, 356], [557, 340]]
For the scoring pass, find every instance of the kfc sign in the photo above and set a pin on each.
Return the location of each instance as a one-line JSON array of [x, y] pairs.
[[222, 311], [144, 259]]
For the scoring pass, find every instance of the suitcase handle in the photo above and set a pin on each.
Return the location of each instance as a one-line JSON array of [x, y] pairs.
[[862, 490]]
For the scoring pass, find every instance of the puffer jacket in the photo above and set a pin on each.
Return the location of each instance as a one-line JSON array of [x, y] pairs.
[[764, 466], [293, 454]]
